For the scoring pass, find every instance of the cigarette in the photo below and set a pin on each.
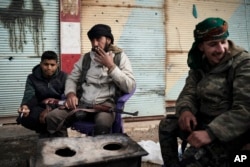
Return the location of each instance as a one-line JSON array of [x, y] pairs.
[[21, 115]]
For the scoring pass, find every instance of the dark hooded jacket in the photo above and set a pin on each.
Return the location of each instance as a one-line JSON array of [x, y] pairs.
[[38, 88], [220, 96]]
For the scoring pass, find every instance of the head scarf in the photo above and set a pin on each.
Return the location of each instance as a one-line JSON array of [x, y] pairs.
[[99, 30], [208, 29]]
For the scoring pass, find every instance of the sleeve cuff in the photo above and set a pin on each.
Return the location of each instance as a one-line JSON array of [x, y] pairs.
[[210, 134], [111, 69]]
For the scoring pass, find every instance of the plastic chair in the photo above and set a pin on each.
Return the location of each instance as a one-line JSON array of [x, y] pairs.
[[87, 127]]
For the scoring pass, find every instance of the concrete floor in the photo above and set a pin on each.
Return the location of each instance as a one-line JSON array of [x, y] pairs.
[[18, 143], [143, 130]]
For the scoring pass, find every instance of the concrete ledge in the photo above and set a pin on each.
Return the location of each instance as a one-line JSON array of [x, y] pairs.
[[18, 144], [14, 131]]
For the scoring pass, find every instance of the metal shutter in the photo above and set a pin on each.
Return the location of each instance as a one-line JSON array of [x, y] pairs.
[[179, 31], [138, 28], [16, 64]]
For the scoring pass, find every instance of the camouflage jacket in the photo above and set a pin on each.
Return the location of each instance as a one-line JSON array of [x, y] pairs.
[[219, 97]]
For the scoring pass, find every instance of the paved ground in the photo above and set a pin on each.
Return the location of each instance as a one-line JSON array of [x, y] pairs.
[[18, 143]]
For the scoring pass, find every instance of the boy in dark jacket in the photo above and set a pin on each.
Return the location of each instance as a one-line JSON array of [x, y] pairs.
[[44, 87]]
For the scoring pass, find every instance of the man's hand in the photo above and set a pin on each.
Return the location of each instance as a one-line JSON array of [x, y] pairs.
[[104, 58], [24, 109], [71, 101], [199, 138], [187, 121]]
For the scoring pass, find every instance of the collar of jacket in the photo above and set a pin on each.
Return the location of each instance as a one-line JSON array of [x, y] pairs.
[[37, 72], [114, 49]]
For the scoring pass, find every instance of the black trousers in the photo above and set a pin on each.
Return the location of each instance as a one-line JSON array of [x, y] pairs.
[[32, 120]]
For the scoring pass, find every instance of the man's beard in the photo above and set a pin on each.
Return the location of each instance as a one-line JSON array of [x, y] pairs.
[[106, 48]]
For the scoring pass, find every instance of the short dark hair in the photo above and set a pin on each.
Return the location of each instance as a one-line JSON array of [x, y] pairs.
[[50, 55]]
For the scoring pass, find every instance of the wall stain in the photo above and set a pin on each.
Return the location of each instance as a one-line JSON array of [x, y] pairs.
[[15, 18]]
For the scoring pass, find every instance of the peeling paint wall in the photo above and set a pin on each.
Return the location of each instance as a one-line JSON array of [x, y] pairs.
[[156, 35], [134, 26], [31, 34], [180, 23], [138, 28]]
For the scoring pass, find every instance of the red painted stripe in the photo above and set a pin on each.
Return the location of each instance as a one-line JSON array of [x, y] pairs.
[[68, 61], [70, 18]]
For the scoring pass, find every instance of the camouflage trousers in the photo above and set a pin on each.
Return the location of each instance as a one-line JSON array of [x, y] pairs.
[[214, 155], [168, 129]]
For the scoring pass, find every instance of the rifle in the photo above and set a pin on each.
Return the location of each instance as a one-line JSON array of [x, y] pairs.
[[81, 112], [213, 154], [97, 108]]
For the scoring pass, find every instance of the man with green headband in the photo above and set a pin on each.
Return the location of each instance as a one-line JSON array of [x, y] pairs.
[[213, 109]]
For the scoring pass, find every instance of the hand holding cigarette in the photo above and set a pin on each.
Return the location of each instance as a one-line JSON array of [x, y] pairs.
[[104, 58], [24, 111]]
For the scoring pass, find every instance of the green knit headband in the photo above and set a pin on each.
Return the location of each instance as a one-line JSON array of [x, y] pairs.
[[208, 29], [211, 29]]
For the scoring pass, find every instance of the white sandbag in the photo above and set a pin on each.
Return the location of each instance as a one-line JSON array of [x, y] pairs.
[[154, 152]]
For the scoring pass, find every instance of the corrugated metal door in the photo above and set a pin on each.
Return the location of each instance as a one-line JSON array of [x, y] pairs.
[[26, 31], [179, 29], [138, 27]]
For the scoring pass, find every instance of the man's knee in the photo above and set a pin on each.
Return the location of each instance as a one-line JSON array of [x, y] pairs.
[[104, 119], [162, 125], [55, 118], [103, 123], [168, 125], [57, 114], [33, 124]]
